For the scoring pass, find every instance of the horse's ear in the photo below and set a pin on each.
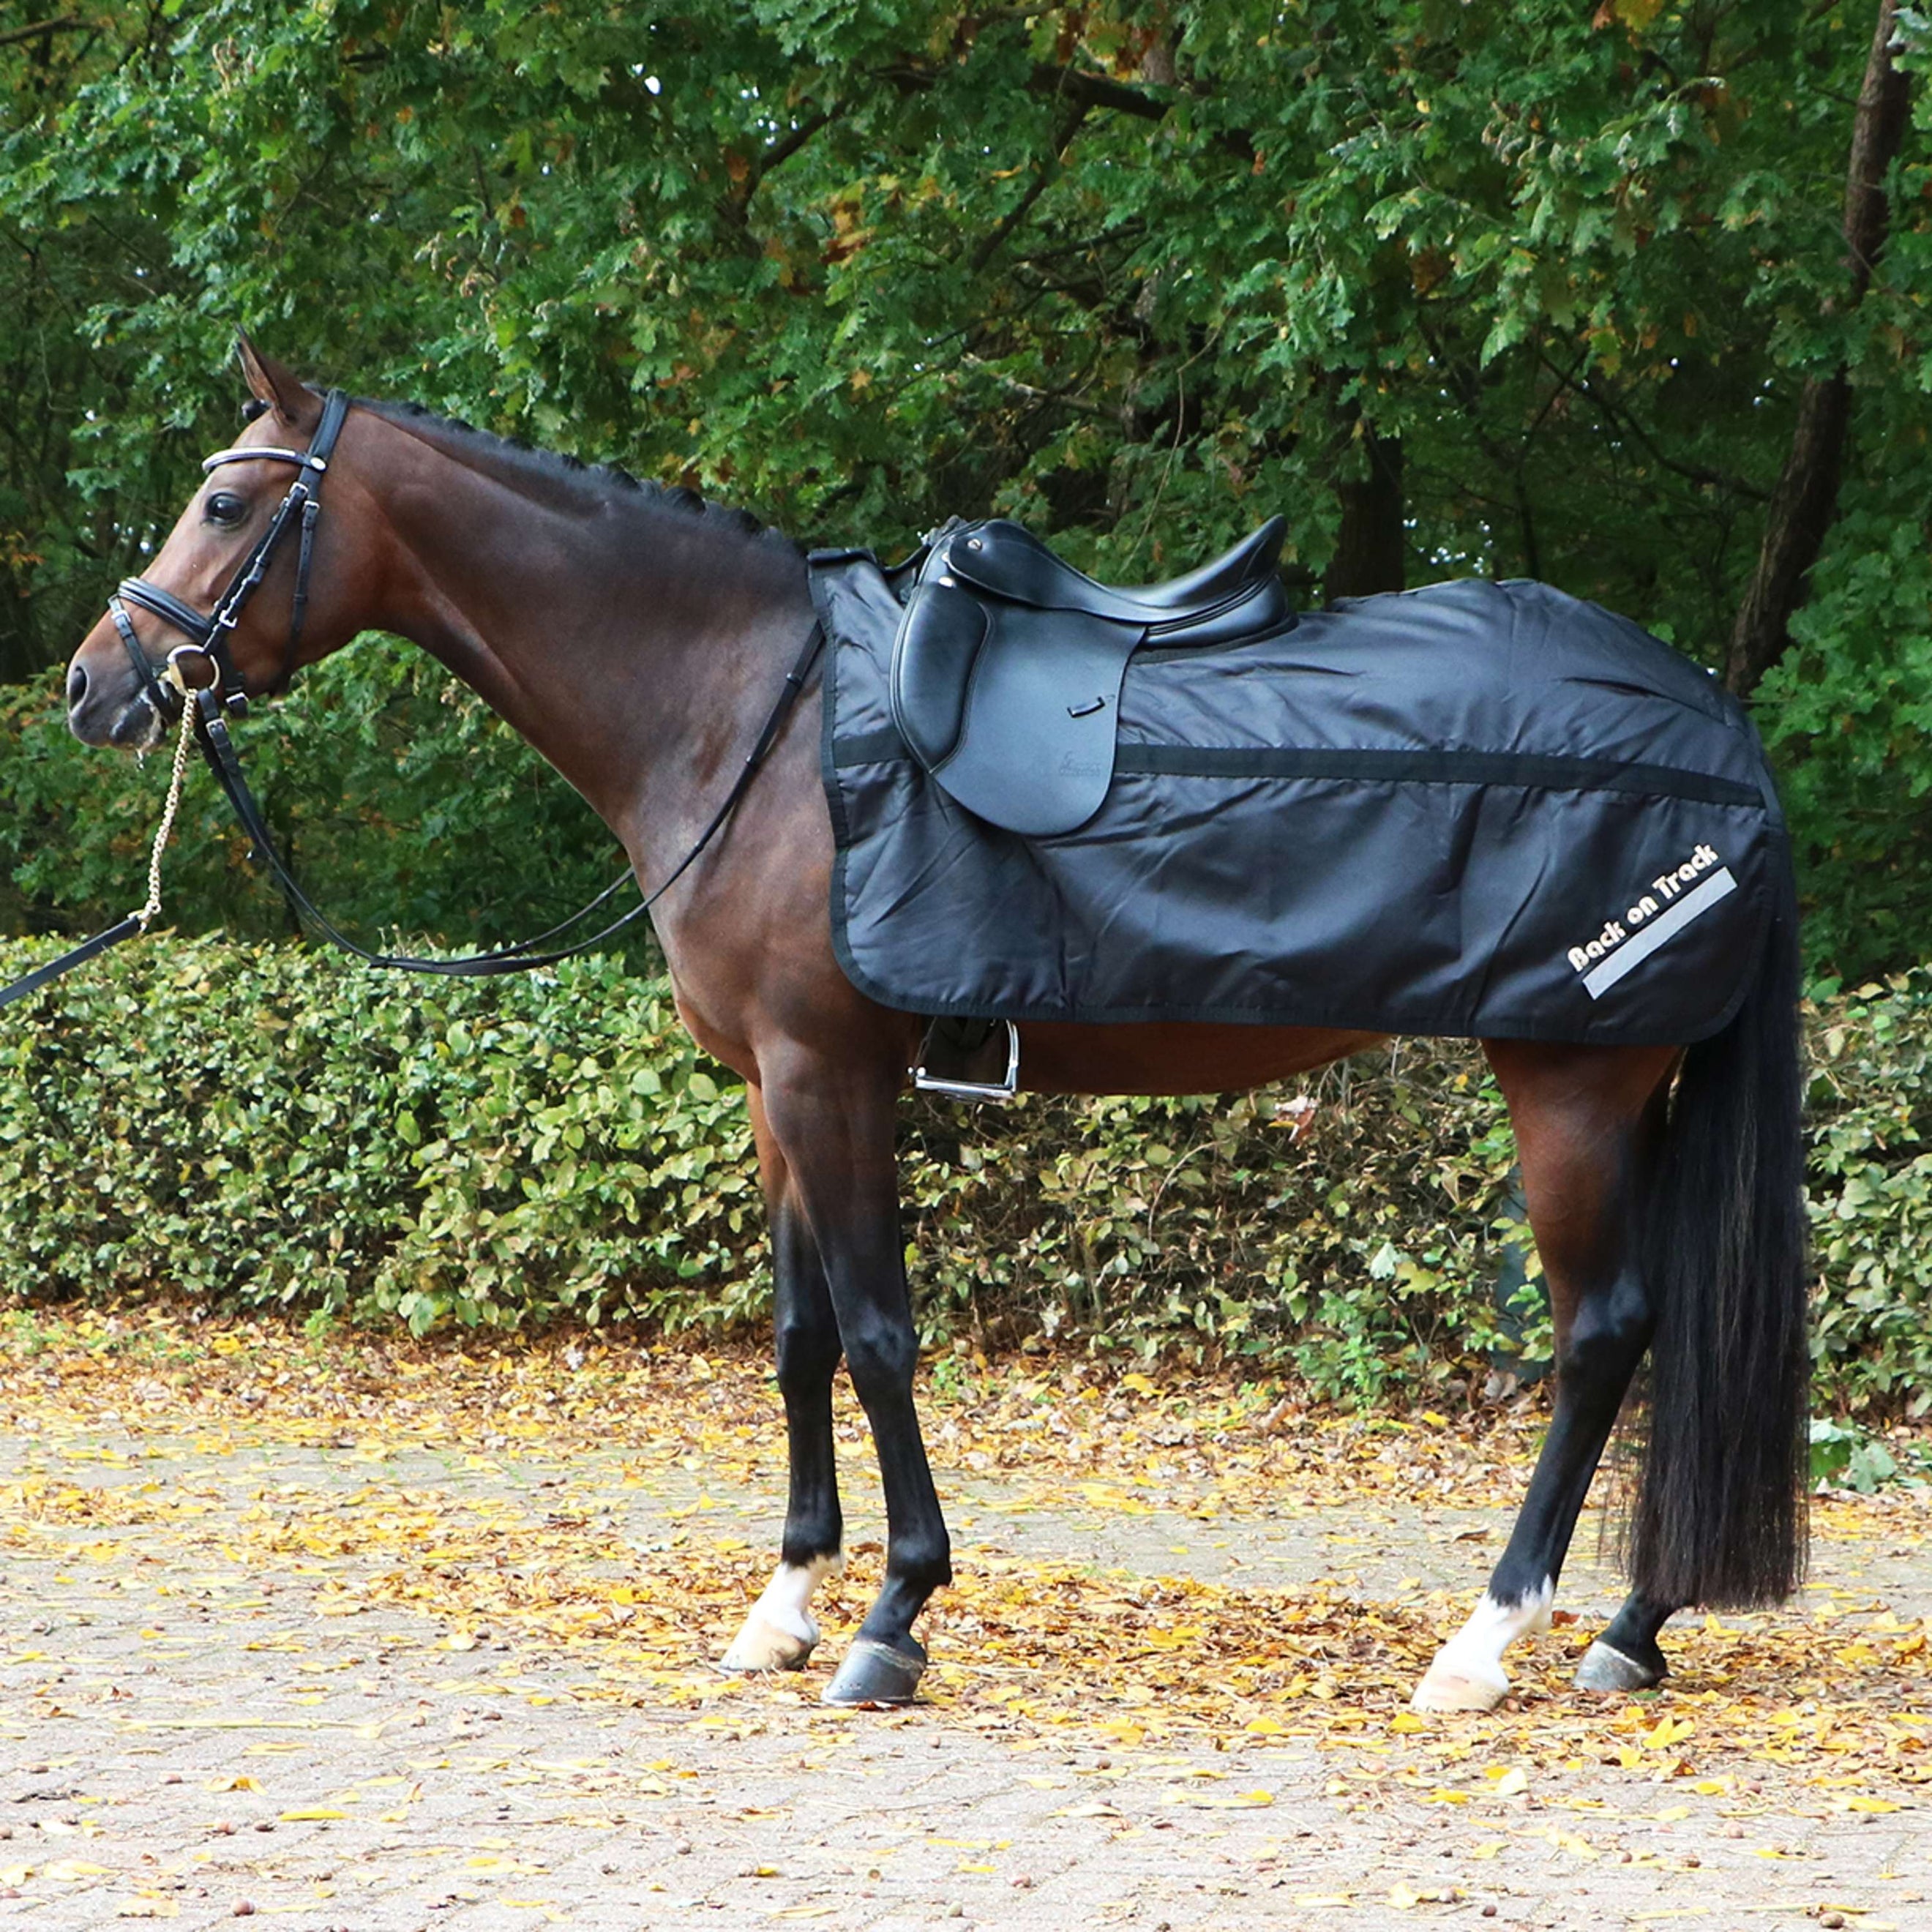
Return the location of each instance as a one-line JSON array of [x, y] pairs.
[[281, 389]]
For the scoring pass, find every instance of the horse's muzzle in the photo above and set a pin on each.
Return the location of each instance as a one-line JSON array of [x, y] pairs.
[[107, 708]]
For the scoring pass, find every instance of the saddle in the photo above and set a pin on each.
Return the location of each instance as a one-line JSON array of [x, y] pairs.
[[1007, 667]]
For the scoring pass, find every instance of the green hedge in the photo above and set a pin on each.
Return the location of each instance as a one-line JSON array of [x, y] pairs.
[[274, 1126]]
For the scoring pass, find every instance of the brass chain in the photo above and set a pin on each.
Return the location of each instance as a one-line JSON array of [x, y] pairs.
[[183, 744]]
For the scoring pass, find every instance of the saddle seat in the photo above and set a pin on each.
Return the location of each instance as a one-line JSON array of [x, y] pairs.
[[1007, 668], [1010, 561]]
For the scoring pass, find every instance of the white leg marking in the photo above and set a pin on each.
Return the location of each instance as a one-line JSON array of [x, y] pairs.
[[1468, 1672], [781, 1632]]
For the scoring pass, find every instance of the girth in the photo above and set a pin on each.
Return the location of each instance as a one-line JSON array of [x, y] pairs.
[[1007, 669]]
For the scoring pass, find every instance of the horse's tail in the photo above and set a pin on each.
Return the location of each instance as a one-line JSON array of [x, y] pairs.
[[1720, 1518]]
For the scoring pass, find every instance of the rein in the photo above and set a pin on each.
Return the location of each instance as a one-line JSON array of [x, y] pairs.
[[198, 706], [218, 748]]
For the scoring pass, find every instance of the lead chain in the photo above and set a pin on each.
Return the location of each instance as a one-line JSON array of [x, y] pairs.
[[166, 828]]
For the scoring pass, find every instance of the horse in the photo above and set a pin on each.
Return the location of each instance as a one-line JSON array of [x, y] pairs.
[[634, 634]]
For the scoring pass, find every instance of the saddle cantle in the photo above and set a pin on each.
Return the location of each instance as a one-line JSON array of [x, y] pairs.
[[1006, 670]]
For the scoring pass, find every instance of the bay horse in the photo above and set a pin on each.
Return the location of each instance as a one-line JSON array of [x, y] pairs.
[[636, 636]]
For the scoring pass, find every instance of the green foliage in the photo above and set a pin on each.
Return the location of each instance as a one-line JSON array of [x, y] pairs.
[[1139, 274], [1871, 1192], [1849, 1457], [1849, 716], [266, 1127], [1345, 1231]]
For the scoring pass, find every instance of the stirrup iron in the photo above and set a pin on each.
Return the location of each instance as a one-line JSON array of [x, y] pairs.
[[1002, 1089]]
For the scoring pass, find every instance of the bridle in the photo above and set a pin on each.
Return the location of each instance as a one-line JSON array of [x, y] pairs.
[[208, 636], [196, 703]]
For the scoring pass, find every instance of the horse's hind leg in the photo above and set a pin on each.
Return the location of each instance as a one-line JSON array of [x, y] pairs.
[[781, 1632], [1626, 1657], [1588, 1122]]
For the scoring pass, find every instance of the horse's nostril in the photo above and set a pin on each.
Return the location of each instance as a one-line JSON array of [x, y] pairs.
[[76, 687]]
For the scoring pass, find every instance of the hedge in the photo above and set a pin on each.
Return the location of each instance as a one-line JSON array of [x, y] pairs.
[[272, 1126]]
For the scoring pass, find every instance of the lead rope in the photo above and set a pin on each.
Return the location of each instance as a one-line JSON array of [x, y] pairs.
[[201, 721], [184, 744], [135, 923]]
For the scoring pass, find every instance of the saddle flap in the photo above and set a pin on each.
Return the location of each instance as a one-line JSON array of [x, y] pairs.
[[1012, 710], [1007, 667], [938, 643]]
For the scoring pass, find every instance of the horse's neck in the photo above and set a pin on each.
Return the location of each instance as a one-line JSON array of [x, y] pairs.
[[630, 646]]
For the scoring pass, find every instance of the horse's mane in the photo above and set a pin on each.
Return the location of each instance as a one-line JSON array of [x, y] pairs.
[[595, 481]]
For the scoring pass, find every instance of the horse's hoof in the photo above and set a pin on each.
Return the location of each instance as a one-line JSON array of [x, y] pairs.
[[875, 1675], [1445, 1687], [760, 1646], [1605, 1668]]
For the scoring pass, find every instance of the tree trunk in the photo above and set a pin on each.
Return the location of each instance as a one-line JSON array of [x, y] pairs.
[[1806, 500], [1372, 550]]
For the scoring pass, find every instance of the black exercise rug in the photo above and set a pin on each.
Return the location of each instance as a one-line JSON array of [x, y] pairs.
[[1478, 808]]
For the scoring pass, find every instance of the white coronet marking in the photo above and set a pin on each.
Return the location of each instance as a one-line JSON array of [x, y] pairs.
[[1467, 1674], [787, 1602], [781, 1632]]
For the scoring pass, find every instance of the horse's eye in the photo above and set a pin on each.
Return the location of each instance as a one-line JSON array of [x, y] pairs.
[[225, 507]]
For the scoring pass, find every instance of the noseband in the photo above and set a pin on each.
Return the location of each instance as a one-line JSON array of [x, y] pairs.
[[208, 636]]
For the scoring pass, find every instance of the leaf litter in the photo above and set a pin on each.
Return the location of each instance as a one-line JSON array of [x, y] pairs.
[[134, 1422]]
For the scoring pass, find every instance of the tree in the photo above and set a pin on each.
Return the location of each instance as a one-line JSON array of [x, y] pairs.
[[1532, 291]]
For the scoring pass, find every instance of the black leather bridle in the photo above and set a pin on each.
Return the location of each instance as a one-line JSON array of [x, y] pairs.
[[208, 636], [168, 686]]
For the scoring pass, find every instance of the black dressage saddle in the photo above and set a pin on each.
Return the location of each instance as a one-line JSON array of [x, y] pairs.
[[1007, 668]]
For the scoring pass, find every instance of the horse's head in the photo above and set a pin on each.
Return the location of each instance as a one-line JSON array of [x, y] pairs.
[[252, 583]]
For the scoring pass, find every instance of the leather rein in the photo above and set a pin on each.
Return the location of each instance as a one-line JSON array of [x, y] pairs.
[[214, 686]]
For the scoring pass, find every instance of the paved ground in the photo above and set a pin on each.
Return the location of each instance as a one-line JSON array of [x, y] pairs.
[[232, 1684]]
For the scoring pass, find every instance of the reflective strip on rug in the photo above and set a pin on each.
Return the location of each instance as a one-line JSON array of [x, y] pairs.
[[1635, 952]]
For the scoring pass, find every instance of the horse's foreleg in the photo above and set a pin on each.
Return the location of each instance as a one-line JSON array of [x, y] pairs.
[[835, 1126], [781, 1632], [1587, 1124]]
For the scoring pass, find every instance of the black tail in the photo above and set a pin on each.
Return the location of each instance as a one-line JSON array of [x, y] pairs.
[[1720, 1517]]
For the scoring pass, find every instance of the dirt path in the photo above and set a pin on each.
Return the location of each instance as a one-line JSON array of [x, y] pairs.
[[258, 1660]]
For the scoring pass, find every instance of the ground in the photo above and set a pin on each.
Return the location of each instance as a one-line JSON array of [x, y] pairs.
[[381, 1636]]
